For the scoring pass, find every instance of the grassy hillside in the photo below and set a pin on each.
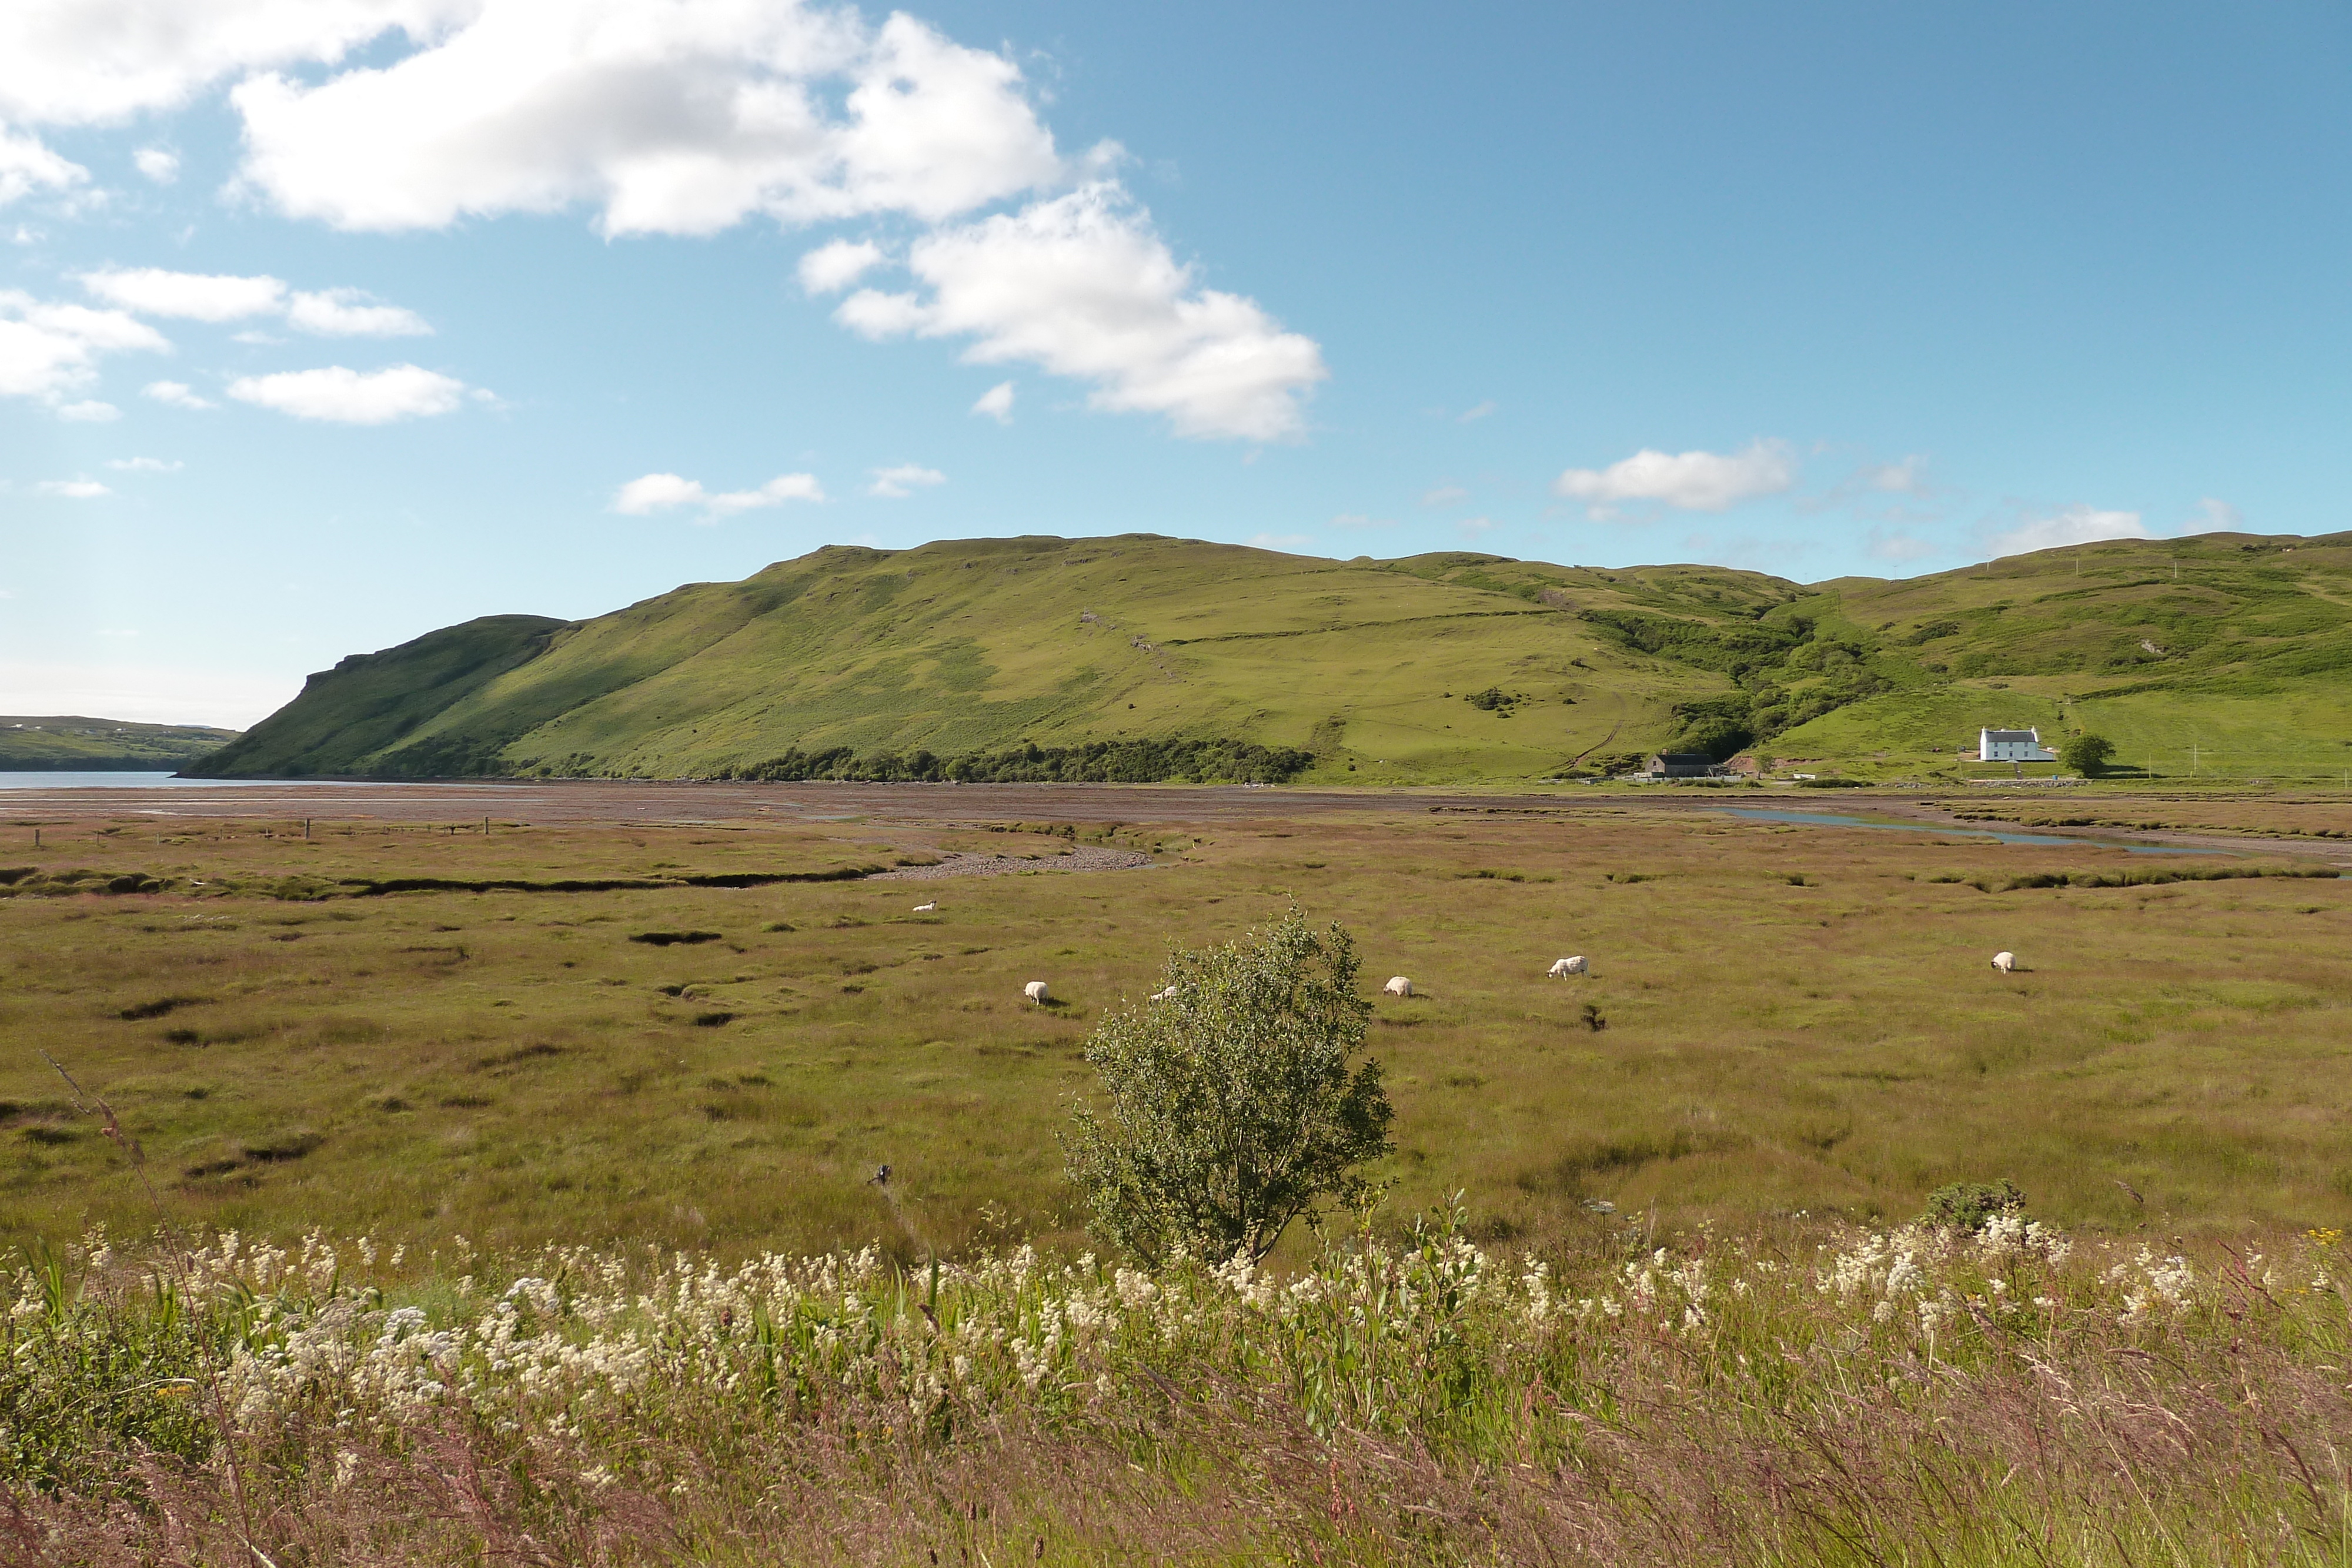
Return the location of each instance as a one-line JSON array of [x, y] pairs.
[[1140, 657], [2228, 652], [68, 743]]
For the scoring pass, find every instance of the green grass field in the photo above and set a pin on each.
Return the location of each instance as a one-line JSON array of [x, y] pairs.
[[1796, 1019]]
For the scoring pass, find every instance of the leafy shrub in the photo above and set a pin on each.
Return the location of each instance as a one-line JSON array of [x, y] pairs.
[[1230, 1106], [1968, 1205]]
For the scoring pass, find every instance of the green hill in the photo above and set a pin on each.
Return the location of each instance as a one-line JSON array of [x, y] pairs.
[[1144, 657], [68, 743]]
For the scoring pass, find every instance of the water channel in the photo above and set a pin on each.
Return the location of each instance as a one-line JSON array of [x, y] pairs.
[[1832, 819]]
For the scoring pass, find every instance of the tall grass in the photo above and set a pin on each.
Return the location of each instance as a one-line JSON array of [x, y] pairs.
[[1798, 1395]]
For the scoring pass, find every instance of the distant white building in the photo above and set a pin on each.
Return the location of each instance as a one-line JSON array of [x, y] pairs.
[[2011, 746]]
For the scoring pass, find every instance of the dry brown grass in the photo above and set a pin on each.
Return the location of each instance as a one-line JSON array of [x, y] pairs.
[[509, 1065]]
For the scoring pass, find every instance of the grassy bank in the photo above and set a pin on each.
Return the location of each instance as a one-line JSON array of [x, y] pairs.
[[1797, 1394]]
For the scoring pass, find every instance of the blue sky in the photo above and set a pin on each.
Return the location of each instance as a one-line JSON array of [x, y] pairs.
[[326, 322]]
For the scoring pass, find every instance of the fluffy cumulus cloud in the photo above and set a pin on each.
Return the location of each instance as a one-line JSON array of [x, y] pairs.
[[175, 395], [190, 295], [686, 116], [98, 62], [898, 483], [221, 296], [1083, 287], [88, 411], [144, 465], [49, 350], [668, 492], [1687, 481], [353, 313], [996, 402], [160, 164], [677, 117], [341, 396], [2076, 525], [27, 166], [836, 263], [73, 489]]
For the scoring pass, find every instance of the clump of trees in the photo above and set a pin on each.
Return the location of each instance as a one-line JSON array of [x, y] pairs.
[[1232, 1103], [1094, 762], [2086, 754]]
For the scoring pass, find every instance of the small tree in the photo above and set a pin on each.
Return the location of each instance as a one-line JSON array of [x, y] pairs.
[[1231, 1107], [2086, 753]]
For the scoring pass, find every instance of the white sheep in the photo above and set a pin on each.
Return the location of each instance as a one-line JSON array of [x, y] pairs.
[[929, 908], [2005, 962], [1035, 991], [1398, 985], [1563, 967], [1164, 995]]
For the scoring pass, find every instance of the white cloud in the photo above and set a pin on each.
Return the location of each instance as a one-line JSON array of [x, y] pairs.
[[176, 393], [996, 402], [1291, 543], [1083, 287], [898, 483], [1443, 496], [158, 163], [1689, 481], [197, 296], [1907, 478], [27, 166], [95, 62], [665, 492], [353, 313], [1360, 521], [219, 296], [683, 117], [835, 264], [1479, 411], [49, 350], [343, 396], [2219, 516], [90, 411], [145, 465], [1473, 527], [73, 489], [687, 117], [2076, 525]]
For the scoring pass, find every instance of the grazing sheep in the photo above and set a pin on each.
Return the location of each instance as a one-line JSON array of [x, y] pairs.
[[1565, 967], [2005, 962], [1167, 996], [929, 908], [1398, 985], [1035, 991]]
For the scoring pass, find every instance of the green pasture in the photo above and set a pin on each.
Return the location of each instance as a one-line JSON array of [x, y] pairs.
[[1794, 1020]]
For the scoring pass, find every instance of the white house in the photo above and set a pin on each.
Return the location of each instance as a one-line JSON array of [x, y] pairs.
[[2011, 746]]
